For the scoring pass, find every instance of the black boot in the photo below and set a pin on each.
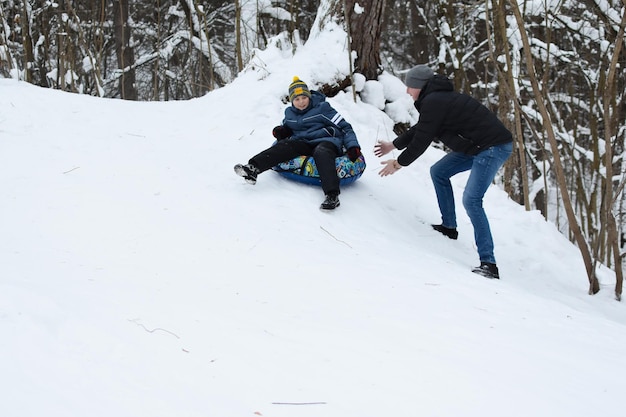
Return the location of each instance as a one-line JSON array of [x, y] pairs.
[[249, 172], [451, 233], [331, 201], [487, 270]]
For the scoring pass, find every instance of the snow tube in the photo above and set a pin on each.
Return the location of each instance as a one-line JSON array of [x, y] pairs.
[[303, 169]]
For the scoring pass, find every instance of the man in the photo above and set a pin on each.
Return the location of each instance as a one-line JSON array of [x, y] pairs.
[[478, 141]]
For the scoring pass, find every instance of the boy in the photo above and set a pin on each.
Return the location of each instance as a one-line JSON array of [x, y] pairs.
[[310, 127]]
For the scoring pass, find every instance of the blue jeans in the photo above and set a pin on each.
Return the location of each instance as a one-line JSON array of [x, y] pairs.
[[484, 167]]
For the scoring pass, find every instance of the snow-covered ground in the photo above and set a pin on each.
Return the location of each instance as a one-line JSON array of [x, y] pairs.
[[139, 276]]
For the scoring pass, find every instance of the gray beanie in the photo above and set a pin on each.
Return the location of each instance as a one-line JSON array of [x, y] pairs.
[[418, 76]]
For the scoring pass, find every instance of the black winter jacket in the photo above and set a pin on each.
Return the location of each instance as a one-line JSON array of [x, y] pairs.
[[457, 120]]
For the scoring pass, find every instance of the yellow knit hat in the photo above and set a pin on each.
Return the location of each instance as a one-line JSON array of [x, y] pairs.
[[298, 88]]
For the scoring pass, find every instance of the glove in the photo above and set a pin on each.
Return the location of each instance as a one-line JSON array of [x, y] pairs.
[[354, 153], [281, 132]]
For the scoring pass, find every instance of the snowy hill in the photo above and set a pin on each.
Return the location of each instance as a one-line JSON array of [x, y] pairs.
[[139, 276]]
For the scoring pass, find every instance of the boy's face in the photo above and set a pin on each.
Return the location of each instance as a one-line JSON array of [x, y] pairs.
[[301, 102]]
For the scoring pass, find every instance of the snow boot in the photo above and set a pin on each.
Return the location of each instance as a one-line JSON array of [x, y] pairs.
[[487, 270], [451, 233], [331, 202], [249, 172]]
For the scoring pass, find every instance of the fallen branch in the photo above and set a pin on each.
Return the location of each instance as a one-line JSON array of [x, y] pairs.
[[73, 169], [330, 234], [153, 330]]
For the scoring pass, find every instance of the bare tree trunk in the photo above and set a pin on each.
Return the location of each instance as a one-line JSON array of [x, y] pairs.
[[198, 29], [364, 31], [27, 43], [610, 122], [61, 55], [125, 54], [6, 60], [594, 286], [86, 51], [209, 55], [238, 37], [508, 82]]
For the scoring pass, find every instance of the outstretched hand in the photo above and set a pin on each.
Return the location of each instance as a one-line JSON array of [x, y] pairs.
[[383, 148], [390, 167]]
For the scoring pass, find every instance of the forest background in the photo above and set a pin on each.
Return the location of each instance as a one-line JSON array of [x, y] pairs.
[[551, 69]]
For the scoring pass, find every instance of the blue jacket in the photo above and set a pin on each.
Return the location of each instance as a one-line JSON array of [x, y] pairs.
[[320, 123]]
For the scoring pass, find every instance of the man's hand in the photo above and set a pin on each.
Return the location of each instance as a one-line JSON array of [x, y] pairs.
[[383, 148], [390, 167]]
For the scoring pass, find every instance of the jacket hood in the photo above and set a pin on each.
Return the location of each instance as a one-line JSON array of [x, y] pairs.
[[437, 83]]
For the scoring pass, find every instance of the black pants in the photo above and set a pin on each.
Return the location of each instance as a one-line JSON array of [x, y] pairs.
[[324, 155]]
